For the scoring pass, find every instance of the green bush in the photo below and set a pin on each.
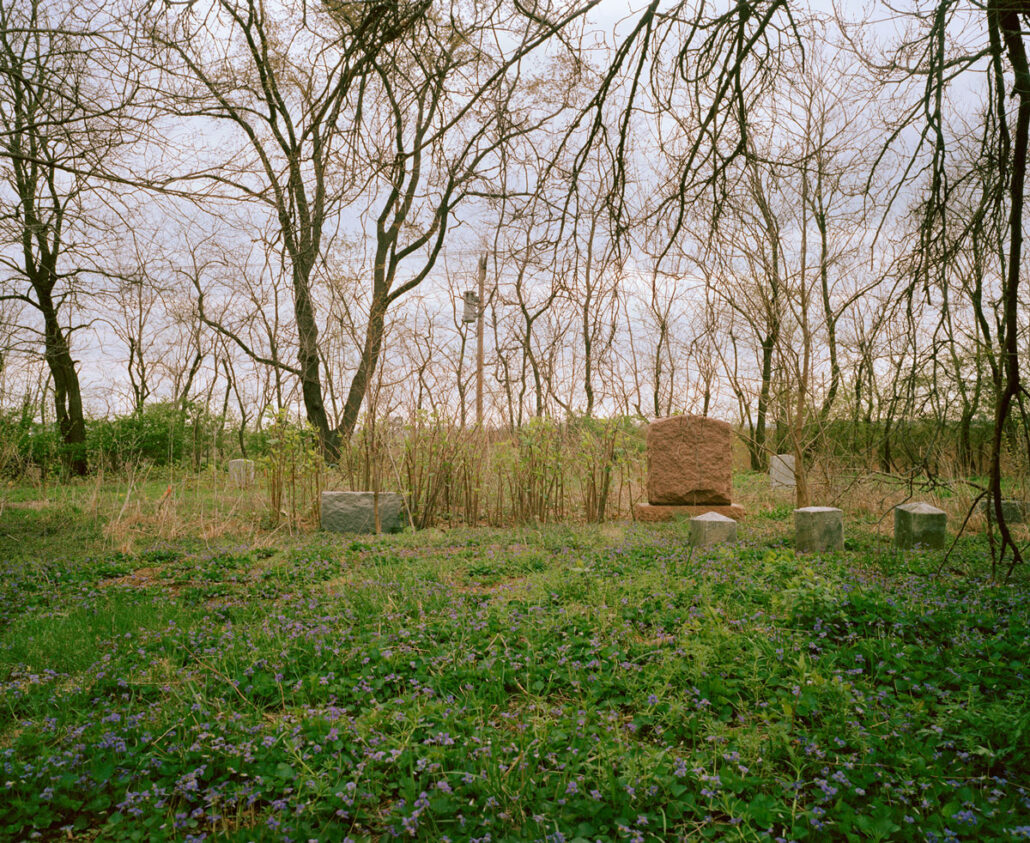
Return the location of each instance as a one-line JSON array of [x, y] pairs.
[[294, 470], [162, 433], [25, 442]]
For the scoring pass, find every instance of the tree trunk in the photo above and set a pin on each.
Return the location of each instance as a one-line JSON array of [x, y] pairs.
[[307, 357], [759, 461], [1011, 30], [366, 366], [67, 394]]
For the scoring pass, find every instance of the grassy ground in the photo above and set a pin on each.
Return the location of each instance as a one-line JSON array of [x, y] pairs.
[[170, 678]]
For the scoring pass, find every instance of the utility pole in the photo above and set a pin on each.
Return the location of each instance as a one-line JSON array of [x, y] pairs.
[[479, 342]]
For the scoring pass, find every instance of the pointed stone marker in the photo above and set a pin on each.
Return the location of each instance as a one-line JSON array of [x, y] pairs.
[[919, 525], [818, 528], [712, 528]]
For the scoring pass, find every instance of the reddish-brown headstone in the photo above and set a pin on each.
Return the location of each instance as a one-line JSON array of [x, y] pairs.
[[689, 461], [653, 514]]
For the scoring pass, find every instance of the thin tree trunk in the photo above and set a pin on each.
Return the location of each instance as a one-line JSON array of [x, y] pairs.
[[67, 394], [369, 360], [1010, 25], [759, 460], [307, 357]]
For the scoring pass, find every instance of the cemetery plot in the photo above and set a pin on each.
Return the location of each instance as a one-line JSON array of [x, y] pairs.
[[532, 684]]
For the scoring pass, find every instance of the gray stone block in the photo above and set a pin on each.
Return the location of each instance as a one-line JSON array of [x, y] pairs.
[[1015, 511], [781, 471], [919, 525], [818, 528], [712, 528], [354, 512], [241, 472]]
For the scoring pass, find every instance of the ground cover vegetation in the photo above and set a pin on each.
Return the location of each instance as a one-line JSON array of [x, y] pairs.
[[536, 683]]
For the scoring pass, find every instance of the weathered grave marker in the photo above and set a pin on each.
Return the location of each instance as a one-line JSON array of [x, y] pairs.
[[781, 471], [354, 512], [689, 469], [712, 528], [919, 525], [241, 473], [1014, 510], [818, 528]]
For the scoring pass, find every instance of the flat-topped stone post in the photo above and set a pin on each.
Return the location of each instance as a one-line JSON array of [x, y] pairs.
[[818, 528], [354, 512], [689, 469], [1014, 510], [781, 471], [919, 525], [241, 472], [712, 528]]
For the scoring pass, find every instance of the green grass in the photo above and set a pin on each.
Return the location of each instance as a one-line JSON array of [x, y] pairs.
[[68, 641], [557, 683]]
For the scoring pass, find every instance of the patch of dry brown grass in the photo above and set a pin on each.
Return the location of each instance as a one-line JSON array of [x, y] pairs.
[[204, 507]]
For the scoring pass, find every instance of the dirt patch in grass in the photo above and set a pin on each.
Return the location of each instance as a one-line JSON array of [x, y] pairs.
[[516, 584], [338, 585], [140, 578]]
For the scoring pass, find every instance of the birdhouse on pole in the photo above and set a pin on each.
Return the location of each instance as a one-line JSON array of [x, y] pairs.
[[471, 312]]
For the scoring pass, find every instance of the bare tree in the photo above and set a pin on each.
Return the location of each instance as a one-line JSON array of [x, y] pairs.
[[288, 113], [393, 107], [61, 119], [932, 57]]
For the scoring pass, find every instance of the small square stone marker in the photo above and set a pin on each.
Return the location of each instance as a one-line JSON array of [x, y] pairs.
[[1015, 511], [818, 528], [712, 528], [919, 525]]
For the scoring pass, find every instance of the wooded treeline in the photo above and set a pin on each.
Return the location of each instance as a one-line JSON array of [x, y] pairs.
[[811, 225]]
